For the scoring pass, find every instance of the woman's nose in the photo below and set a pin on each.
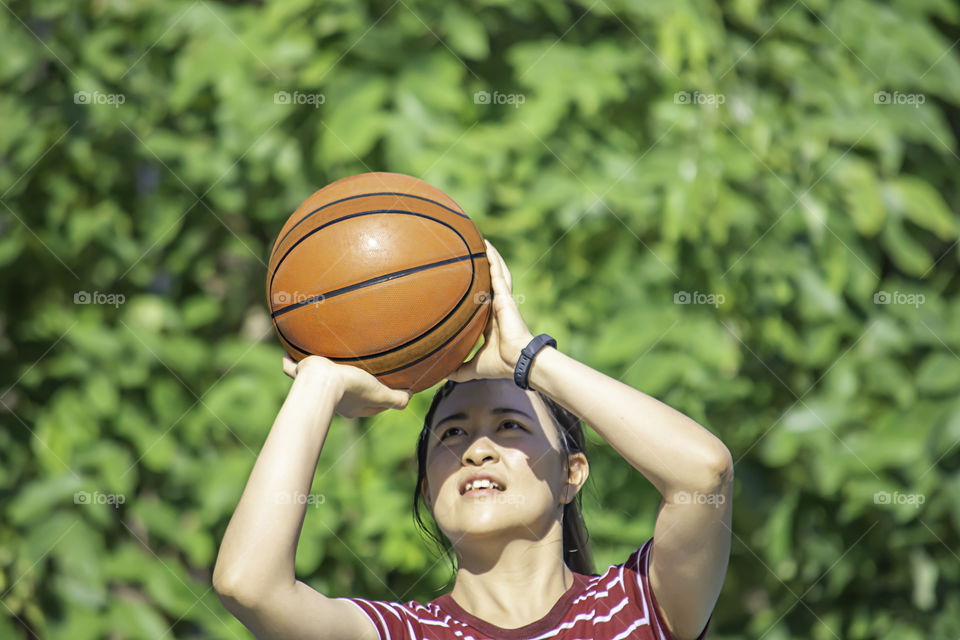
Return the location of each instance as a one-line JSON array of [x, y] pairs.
[[480, 450]]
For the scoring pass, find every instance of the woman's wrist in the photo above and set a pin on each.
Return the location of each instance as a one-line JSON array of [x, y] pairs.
[[514, 350], [527, 354], [538, 376], [319, 380]]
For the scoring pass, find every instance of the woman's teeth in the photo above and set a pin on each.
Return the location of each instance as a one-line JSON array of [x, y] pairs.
[[482, 484]]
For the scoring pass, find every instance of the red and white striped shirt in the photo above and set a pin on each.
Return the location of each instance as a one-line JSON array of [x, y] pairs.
[[616, 605]]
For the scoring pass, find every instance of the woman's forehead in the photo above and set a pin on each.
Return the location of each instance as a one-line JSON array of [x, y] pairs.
[[482, 396], [478, 398]]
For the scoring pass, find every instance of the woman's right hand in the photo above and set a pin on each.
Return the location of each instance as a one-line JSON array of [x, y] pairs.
[[359, 393]]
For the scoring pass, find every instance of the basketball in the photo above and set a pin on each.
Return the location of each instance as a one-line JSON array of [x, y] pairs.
[[384, 272]]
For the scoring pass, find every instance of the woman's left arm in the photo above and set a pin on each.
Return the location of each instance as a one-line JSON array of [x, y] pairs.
[[689, 466], [671, 450]]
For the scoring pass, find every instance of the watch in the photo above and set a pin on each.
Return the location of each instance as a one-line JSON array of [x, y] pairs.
[[522, 370]]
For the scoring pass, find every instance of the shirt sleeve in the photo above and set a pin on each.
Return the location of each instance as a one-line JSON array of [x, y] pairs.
[[392, 620], [636, 579]]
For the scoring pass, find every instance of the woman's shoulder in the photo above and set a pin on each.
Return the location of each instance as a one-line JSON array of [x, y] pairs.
[[634, 575], [619, 602], [410, 619]]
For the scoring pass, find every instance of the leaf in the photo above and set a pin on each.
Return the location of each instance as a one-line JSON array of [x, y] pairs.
[[939, 373], [925, 572], [924, 206], [908, 254], [862, 196], [465, 33], [778, 536], [40, 497], [136, 619], [354, 119]]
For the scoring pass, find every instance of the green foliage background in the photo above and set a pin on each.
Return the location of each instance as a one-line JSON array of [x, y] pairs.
[[797, 199]]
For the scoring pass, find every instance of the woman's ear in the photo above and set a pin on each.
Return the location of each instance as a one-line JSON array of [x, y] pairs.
[[576, 477], [425, 491]]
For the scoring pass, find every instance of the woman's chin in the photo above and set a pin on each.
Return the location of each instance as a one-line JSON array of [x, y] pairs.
[[483, 524], [485, 516]]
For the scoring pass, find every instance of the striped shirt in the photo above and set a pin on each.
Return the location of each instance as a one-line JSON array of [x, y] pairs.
[[616, 605]]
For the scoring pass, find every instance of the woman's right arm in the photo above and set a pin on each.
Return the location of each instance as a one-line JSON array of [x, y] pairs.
[[254, 573]]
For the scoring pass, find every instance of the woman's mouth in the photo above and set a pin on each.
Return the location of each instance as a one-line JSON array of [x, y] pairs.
[[482, 487]]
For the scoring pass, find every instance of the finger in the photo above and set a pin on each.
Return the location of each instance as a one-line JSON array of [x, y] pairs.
[[398, 399], [505, 272], [368, 412], [389, 398], [289, 366], [498, 279], [498, 264], [468, 370]]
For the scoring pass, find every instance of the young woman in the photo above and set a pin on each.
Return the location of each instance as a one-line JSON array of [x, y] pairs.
[[501, 464]]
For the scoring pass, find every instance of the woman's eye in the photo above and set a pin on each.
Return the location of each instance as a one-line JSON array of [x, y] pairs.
[[515, 426], [447, 432]]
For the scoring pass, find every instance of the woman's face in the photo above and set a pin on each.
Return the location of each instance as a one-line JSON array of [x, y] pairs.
[[493, 427]]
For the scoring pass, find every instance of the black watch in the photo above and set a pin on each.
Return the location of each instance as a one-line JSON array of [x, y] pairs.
[[522, 371]]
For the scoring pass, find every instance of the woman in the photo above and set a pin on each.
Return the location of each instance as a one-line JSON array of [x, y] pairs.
[[501, 466]]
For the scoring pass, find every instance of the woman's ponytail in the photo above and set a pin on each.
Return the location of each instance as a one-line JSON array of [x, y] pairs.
[[576, 538]]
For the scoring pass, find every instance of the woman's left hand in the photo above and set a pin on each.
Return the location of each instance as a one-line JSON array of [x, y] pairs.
[[506, 333]]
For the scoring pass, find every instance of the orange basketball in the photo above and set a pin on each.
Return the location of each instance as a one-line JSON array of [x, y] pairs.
[[384, 272]]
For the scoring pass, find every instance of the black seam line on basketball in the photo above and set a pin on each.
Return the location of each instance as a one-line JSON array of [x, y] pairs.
[[373, 281], [466, 244], [355, 215], [287, 340], [362, 195], [412, 340], [415, 339], [459, 331], [410, 364]]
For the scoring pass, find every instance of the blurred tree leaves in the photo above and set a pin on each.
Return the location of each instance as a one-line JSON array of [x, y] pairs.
[[790, 167]]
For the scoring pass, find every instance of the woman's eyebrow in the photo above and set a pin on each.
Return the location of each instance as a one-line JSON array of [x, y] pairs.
[[463, 416]]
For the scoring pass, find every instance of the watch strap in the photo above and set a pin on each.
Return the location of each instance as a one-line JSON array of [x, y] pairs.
[[522, 371]]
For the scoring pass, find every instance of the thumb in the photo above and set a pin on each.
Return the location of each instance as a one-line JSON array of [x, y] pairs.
[[466, 371], [400, 398]]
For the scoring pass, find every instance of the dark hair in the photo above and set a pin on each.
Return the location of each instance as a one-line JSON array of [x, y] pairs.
[[576, 550]]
